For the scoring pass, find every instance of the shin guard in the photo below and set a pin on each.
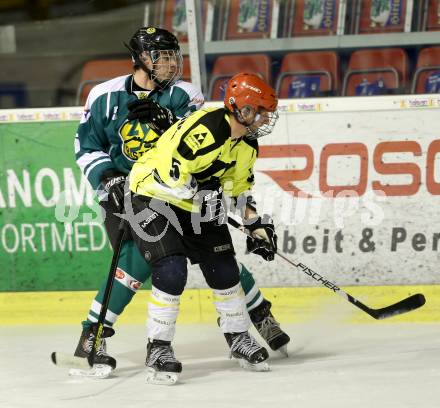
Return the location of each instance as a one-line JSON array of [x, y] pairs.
[[163, 309], [231, 306]]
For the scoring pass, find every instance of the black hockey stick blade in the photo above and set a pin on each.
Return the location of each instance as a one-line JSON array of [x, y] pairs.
[[404, 306]]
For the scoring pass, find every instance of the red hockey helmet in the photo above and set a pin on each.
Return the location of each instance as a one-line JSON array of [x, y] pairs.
[[250, 98]]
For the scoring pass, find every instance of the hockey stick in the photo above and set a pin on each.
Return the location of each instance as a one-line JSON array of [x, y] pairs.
[[404, 306], [63, 360], [107, 293]]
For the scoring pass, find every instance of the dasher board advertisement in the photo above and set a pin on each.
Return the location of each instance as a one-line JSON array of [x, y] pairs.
[[353, 185]]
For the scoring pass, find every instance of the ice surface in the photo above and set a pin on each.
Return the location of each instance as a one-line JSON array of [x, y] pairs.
[[330, 365]]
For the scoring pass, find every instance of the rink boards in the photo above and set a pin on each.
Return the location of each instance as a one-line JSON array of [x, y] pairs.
[[353, 184]]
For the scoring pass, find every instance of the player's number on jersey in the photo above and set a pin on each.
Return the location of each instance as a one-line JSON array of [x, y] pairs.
[[175, 170]]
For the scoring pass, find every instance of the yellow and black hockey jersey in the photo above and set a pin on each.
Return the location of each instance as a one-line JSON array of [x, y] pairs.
[[198, 148]]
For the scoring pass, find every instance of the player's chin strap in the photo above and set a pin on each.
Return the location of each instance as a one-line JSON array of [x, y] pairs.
[[404, 306]]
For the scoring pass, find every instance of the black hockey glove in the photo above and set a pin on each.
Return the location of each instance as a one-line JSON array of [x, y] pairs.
[[265, 240], [150, 112], [113, 182]]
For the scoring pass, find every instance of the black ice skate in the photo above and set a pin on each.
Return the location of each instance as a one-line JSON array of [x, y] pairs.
[[247, 351], [103, 364], [269, 328], [162, 367]]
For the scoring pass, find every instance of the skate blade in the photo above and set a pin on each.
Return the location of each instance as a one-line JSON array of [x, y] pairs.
[[97, 371], [283, 351], [259, 367], [161, 377]]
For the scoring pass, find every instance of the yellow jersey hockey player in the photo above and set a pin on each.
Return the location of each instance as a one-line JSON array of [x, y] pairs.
[[123, 118], [177, 213]]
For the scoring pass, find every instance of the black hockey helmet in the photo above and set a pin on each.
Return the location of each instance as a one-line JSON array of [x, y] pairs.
[[151, 39], [164, 51]]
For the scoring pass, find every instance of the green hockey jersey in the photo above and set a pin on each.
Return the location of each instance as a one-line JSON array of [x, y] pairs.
[[106, 140]]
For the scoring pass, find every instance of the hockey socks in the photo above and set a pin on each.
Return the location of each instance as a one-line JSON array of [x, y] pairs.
[[253, 295]]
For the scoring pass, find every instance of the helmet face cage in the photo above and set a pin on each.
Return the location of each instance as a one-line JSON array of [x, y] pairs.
[[163, 49], [269, 121], [249, 94], [167, 66]]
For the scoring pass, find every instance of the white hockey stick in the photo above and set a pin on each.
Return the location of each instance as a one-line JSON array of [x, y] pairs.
[[69, 361]]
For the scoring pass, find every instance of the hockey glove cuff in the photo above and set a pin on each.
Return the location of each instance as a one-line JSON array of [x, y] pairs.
[[113, 183]]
